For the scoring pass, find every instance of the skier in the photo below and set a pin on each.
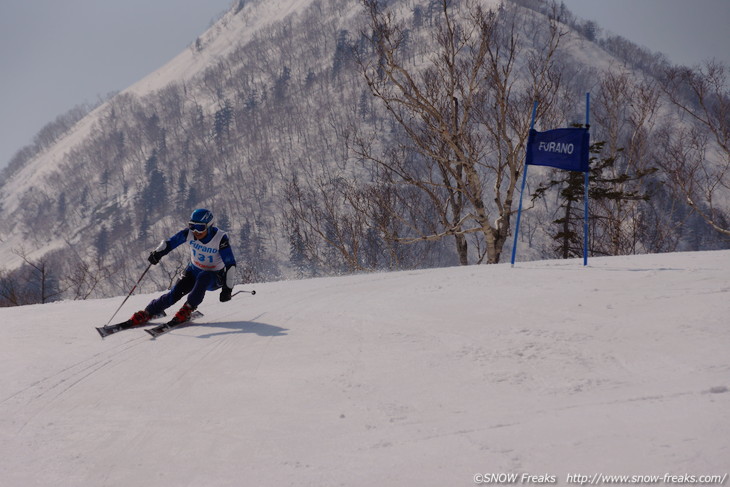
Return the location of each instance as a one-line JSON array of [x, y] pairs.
[[212, 266]]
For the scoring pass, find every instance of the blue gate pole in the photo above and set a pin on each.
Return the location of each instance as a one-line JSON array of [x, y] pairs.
[[522, 189], [587, 173]]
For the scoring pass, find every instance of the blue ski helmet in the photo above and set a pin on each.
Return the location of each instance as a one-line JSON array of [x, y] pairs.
[[200, 220]]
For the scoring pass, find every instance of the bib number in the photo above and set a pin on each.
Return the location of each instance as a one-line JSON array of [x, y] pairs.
[[201, 257]]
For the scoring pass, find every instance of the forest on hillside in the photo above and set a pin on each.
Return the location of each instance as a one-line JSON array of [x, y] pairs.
[[371, 135]]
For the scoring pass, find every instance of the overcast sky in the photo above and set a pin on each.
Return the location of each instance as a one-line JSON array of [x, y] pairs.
[[55, 54], [687, 31]]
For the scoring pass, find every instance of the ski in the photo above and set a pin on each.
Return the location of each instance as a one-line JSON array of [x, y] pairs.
[[107, 330], [171, 325]]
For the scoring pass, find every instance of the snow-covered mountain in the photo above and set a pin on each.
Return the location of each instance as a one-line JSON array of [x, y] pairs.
[[236, 27], [428, 378], [266, 97]]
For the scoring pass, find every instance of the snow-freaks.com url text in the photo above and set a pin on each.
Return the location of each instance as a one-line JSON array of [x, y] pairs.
[[600, 479], [667, 478]]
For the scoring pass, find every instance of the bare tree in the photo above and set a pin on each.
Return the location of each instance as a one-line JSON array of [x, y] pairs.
[[82, 280], [465, 111], [10, 292], [696, 158], [42, 283], [625, 117], [320, 208]]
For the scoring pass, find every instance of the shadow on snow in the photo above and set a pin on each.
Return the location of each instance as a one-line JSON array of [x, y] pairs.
[[260, 329]]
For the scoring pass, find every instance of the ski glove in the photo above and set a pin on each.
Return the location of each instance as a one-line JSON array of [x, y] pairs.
[[158, 253], [155, 257], [228, 284]]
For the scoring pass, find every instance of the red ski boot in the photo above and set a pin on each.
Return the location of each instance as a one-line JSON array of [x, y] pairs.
[[184, 314], [140, 318]]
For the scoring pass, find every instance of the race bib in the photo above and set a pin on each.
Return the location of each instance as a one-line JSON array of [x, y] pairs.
[[206, 256]]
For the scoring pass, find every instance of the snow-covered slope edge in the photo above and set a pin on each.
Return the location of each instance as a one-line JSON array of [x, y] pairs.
[[413, 378]]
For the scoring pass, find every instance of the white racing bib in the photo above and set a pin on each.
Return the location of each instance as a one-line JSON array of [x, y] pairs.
[[206, 256]]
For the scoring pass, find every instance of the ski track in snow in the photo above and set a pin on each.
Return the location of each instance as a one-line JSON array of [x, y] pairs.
[[422, 377]]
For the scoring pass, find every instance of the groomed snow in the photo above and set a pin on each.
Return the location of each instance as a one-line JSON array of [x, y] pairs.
[[422, 378]]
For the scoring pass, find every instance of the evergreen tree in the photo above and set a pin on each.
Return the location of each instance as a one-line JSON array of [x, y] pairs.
[[153, 196], [244, 240], [343, 52], [224, 222], [181, 196], [417, 16], [297, 253], [364, 106], [372, 248], [310, 79], [62, 206], [222, 124], [192, 197], [568, 229], [281, 85], [155, 193], [102, 241]]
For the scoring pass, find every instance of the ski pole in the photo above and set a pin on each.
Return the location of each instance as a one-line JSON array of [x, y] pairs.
[[239, 292], [130, 293]]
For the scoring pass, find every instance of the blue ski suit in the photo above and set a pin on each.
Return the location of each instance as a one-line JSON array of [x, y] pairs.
[[210, 259]]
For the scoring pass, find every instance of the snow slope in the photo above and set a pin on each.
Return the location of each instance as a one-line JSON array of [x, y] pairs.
[[420, 378]]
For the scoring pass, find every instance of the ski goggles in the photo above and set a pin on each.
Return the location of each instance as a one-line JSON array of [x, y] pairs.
[[197, 227]]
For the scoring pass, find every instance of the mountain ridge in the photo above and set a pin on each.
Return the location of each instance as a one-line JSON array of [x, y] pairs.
[[251, 117]]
